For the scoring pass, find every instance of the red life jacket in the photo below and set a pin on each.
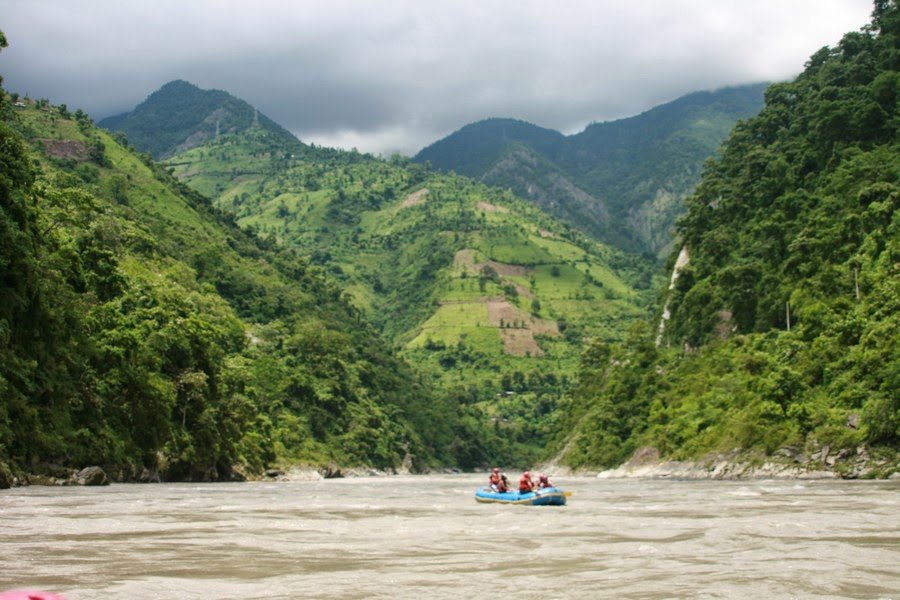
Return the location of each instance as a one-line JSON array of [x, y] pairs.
[[494, 479], [525, 484]]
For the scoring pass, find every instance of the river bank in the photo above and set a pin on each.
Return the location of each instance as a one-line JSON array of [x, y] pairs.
[[57, 476], [645, 463], [786, 463]]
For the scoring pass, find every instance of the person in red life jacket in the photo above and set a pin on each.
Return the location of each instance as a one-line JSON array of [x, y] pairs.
[[526, 484], [494, 480], [504, 483], [544, 481]]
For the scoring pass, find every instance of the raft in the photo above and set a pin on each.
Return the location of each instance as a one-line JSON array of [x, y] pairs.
[[552, 496]]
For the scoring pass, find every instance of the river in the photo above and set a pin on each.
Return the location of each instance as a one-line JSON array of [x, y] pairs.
[[425, 536]]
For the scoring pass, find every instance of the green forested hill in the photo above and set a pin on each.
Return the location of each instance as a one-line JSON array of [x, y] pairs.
[[142, 330], [483, 293], [785, 321], [179, 116], [623, 180], [479, 290]]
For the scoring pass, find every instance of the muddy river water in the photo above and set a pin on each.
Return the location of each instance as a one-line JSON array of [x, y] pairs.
[[426, 537]]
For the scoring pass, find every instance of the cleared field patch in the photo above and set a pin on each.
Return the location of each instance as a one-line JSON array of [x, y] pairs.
[[509, 245], [453, 320], [486, 318], [491, 208], [561, 249], [66, 149], [607, 278], [515, 252], [523, 291], [501, 312], [568, 282], [415, 199], [465, 260], [518, 328], [520, 342], [461, 290], [503, 269]]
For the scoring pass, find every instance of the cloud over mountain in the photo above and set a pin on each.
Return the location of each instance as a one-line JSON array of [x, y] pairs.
[[396, 76]]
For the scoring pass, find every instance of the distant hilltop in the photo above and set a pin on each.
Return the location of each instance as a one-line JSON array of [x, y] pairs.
[[623, 180], [179, 116]]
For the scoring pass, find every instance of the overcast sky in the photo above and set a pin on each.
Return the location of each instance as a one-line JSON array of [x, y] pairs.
[[397, 75]]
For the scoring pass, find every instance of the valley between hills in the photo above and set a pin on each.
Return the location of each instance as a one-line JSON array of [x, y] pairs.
[[192, 293]]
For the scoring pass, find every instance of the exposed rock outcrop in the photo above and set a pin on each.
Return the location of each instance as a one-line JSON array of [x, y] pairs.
[[91, 476], [681, 262]]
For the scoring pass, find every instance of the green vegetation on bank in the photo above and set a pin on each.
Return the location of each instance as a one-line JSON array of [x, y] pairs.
[[785, 323], [142, 330]]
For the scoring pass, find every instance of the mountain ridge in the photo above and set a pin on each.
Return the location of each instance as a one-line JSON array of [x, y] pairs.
[[625, 178]]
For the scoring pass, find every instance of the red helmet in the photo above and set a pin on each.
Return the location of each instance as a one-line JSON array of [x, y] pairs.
[[526, 474]]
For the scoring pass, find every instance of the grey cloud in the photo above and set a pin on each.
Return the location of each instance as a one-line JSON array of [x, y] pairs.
[[397, 75]]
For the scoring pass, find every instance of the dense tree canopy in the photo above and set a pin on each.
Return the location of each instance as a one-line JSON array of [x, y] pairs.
[[784, 323], [142, 330]]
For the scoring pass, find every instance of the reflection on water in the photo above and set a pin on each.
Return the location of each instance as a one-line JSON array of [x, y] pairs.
[[411, 536]]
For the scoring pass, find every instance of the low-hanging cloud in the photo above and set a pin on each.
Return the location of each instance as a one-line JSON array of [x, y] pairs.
[[396, 76]]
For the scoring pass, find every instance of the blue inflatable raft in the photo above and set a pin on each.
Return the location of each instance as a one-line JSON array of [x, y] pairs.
[[552, 496]]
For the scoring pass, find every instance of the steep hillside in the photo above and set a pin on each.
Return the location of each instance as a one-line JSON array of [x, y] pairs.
[[179, 116], [142, 330], [623, 181], [484, 294], [784, 323], [534, 176], [475, 287]]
